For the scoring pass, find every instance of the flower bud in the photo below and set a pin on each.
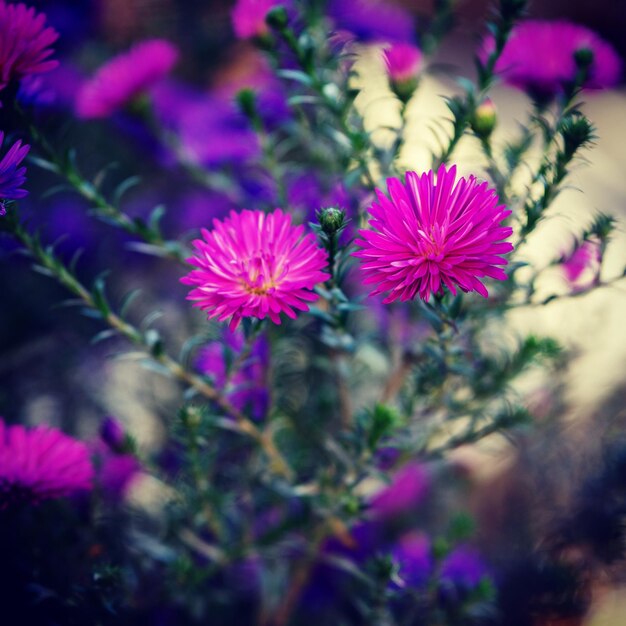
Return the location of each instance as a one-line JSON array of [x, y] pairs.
[[484, 119], [331, 219], [246, 100], [403, 62], [277, 17]]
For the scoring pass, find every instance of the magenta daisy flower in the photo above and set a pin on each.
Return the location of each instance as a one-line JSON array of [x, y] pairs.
[[539, 57], [434, 233], [255, 265], [25, 42], [249, 17], [125, 77], [41, 463], [12, 176]]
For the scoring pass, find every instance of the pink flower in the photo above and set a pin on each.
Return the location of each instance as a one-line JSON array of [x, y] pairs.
[[539, 57], [249, 17], [41, 463], [125, 77], [430, 234], [255, 265], [407, 490], [581, 267], [25, 42], [403, 62]]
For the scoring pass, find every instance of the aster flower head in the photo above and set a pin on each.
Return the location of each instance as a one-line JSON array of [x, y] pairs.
[[255, 265], [413, 553], [41, 463], [25, 42], [12, 176], [463, 567], [540, 57], [125, 78], [434, 233], [249, 17]]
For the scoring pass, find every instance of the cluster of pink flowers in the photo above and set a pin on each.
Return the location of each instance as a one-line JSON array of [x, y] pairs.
[[125, 78], [41, 463]]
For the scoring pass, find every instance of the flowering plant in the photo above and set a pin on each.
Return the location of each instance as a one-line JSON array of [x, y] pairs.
[[290, 455]]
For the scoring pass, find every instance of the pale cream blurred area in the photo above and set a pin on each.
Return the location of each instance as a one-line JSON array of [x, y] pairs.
[[591, 326]]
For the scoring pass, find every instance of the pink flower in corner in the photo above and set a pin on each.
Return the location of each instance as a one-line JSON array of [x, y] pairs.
[[25, 42], [434, 233], [41, 463], [249, 17], [255, 265], [539, 57], [125, 77]]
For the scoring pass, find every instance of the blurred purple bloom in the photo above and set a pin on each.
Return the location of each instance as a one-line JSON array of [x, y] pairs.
[[116, 474], [249, 17], [408, 489], [12, 176], [247, 387], [415, 561], [41, 463], [373, 20], [112, 433], [463, 567], [581, 267], [209, 129], [55, 89], [125, 77], [539, 57]]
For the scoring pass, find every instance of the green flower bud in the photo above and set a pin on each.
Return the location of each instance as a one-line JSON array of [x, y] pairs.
[[484, 119], [331, 220]]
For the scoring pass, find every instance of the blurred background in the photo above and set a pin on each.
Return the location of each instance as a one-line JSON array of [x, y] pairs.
[[50, 373]]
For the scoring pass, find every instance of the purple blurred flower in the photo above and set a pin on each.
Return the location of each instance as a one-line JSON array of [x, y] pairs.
[[408, 489], [463, 567], [373, 20], [125, 77], [112, 433], [247, 387], [581, 267], [116, 473], [249, 17], [12, 176], [415, 561], [539, 57], [41, 463], [55, 89], [25, 42], [210, 130]]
